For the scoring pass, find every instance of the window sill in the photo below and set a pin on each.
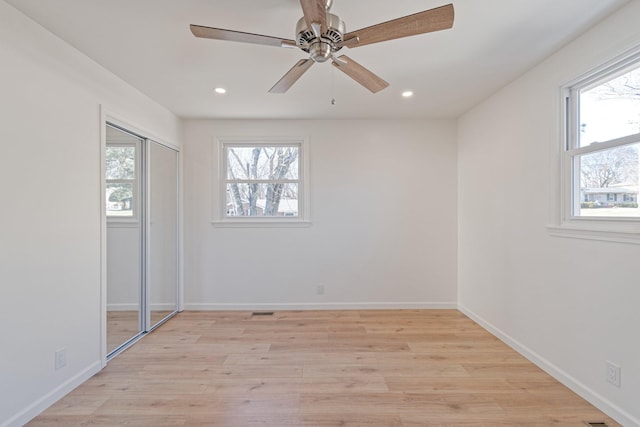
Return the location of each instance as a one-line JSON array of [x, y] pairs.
[[122, 222], [261, 223], [601, 230]]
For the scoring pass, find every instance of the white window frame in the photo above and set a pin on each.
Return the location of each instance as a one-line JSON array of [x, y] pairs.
[[135, 203], [618, 229], [220, 182]]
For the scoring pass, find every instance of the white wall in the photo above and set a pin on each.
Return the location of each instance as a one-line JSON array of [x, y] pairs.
[[50, 218], [568, 304], [124, 264], [383, 211]]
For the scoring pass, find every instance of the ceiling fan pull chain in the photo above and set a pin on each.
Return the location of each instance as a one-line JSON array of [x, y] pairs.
[[333, 99]]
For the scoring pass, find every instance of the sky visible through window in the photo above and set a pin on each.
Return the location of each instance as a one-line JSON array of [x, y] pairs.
[[611, 110]]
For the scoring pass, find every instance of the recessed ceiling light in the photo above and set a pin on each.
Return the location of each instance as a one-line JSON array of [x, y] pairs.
[[407, 94], [220, 90]]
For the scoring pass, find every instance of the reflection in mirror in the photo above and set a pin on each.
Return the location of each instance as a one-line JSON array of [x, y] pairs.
[[124, 237], [162, 252]]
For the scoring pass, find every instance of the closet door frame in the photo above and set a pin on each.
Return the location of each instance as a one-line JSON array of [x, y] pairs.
[[108, 117]]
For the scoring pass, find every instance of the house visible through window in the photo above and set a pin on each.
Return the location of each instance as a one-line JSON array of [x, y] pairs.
[[263, 180], [121, 173], [603, 142]]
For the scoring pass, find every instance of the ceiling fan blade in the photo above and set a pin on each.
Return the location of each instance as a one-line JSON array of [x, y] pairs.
[[238, 36], [360, 74], [315, 11], [440, 18], [292, 76]]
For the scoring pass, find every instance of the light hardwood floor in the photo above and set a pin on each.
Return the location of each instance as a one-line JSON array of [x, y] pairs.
[[124, 325], [321, 368], [121, 327]]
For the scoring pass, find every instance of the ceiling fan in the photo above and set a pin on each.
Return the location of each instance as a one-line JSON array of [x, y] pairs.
[[322, 34]]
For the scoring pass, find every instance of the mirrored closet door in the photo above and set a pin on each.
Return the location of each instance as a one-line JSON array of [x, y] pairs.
[[162, 252], [141, 199], [123, 171]]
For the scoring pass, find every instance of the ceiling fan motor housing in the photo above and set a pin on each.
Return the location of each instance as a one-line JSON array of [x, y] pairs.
[[321, 48]]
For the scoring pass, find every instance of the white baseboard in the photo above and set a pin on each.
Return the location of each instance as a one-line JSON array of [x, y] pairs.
[[123, 307], [134, 307], [33, 410], [322, 306], [583, 391], [163, 306]]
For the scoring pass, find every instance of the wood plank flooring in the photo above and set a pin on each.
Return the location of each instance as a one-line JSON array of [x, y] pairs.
[[124, 325], [321, 368], [121, 327]]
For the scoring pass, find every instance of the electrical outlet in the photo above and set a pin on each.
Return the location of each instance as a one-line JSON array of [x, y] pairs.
[[61, 358], [320, 290], [613, 374]]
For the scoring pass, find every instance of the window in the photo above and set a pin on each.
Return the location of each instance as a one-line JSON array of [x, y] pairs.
[[602, 148], [121, 173], [262, 181]]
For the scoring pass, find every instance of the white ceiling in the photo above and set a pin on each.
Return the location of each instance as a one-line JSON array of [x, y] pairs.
[[148, 44]]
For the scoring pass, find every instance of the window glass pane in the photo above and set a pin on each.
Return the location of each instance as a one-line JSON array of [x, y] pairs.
[[262, 162], [120, 163], [119, 200], [609, 182], [610, 110], [266, 200]]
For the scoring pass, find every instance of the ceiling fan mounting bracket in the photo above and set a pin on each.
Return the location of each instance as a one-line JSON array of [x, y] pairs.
[[321, 48]]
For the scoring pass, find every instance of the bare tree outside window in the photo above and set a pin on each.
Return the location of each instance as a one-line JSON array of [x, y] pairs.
[[120, 173], [608, 168], [262, 180]]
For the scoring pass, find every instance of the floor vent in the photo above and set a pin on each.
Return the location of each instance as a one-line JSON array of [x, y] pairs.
[[262, 313], [596, 424]]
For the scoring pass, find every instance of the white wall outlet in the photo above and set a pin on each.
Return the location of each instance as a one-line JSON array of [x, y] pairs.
[[320, 290], [613, 374], [61, 358]]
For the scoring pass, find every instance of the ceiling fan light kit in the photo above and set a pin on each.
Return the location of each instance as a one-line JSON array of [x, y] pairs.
[[322, 34]]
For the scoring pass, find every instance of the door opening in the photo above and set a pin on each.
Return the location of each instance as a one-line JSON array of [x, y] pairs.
[[141, 209]]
